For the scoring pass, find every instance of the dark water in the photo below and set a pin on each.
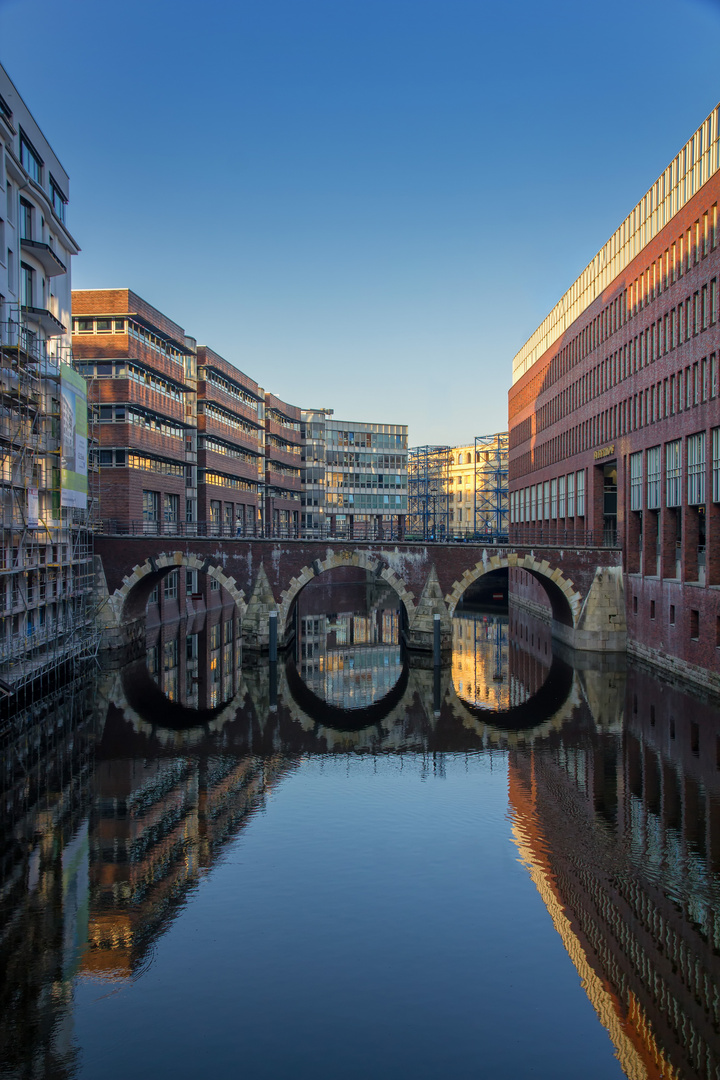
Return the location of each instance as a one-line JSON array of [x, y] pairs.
[[349, 867]]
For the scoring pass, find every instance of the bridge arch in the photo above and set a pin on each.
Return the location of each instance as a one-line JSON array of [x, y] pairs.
[[564, 598], [130, 600], [363, 560]]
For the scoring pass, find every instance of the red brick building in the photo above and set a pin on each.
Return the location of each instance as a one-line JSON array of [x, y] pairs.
[[141, 374], [614, 415], [283, 448], [230, 446]]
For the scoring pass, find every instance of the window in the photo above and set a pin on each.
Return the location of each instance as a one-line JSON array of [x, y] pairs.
[[654, 479], [716, 465], [26, 220], [171, 506], [672, 614], [104, 326], [151, 506], [58, 200], [636, 481], [85, 326], [553, 499], [171, 586], [673, 459], [571, 495], [652, 609], [694, 624], [27, 283], [561, 497], [580, 492], [29, 158], [696, 469]]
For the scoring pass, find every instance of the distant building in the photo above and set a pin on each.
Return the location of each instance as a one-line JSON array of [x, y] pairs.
[[354, 476], [46, 550], [283, 452], [459, 491]]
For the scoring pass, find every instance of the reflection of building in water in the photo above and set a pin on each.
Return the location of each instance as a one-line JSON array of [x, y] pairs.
[[156, 826], [499, 661], [45, 783], [196, 662], [352, 657], [351, 660], [622, 837]]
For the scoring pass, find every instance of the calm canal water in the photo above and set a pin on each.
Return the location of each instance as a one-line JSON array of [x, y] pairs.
[[349, 867]]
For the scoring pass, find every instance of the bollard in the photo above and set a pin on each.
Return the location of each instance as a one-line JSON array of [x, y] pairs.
[[273, 636], [436, 640], [273, 687], [437, 701]]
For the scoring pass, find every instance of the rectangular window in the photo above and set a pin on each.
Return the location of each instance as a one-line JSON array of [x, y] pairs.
[[170, 586], [532, 503], [546, 500], [580, 492], [29, 158], [58, 200], [716, 465], [26, 220], [151, 506], [571, 495], [673, 461], [553, 499], [654, 478], [27, 285], [171, 508], [561, 497], [696, 469], [636, 481]]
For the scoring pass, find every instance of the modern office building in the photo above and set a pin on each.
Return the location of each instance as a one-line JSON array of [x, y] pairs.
[[615, 414], [355, 480], [283, 454], [46, 550], [230, 434], [141, 372]]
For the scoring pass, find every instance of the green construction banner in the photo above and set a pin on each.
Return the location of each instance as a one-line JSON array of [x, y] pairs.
[[73, 420]]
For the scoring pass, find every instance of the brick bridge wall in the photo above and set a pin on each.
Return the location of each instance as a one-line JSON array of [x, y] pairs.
[[584, 585]]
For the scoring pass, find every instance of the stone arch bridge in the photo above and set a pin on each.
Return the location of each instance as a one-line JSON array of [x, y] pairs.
[[584, 585]]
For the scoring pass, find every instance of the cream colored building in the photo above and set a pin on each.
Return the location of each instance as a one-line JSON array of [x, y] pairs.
[[478, 485]]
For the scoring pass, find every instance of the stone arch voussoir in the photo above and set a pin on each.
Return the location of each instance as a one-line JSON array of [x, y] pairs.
[[557, 585], [122, 598], [362, 559]]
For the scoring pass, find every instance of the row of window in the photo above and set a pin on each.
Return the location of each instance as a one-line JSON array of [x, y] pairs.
[[695, 384], [227, 386], [280, 469], [205, 476], [690, 318], [562, 497], [368, 502], [342, 459], [651, 462], [33, 165], [129, 414], [228, 419], [282, 420], [682, 179], [113, 325], [366, 480], [226, 449], [378, 440]]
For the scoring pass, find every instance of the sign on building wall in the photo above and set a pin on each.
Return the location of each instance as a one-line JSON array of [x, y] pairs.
[[73, 419]]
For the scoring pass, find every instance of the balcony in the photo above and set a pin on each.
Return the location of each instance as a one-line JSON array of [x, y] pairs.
[[45, 320], [45, 255]]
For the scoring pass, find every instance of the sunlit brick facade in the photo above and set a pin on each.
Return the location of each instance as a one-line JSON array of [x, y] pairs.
[[615, 414]]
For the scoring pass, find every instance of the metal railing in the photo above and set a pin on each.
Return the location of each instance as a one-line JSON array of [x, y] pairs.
[[358, 532]]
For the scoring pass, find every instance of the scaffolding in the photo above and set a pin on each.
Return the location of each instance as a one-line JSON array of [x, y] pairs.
[[46, 556], [429, 492], [490, 509]]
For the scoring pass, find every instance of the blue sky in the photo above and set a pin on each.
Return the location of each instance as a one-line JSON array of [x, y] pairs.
[[364, 204]]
